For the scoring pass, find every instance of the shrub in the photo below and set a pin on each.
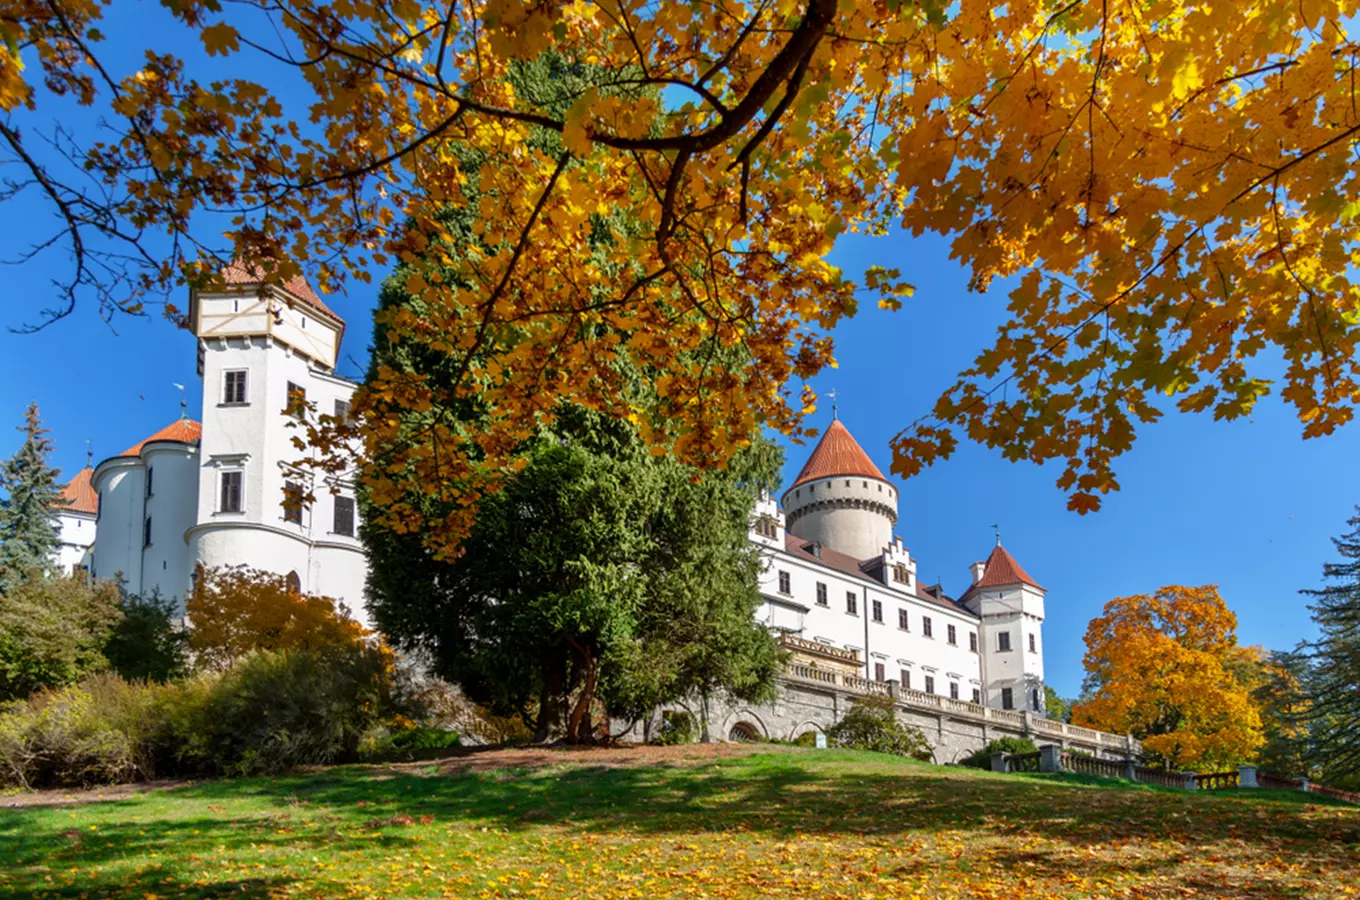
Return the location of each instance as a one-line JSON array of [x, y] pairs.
[[52, 632], [270, 712], [982, 759], [871, 724], [806, 739], [678, 726]]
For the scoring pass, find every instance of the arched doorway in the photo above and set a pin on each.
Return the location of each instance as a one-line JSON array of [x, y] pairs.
[[744, 733]]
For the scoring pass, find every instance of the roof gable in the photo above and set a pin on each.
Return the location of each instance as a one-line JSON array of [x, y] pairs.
[[238, 274]]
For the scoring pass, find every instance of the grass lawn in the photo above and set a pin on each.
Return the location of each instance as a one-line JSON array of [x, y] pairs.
[[777, 822]]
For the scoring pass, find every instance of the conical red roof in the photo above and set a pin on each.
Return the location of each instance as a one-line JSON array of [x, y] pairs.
[[1002, 569], [837, 453]]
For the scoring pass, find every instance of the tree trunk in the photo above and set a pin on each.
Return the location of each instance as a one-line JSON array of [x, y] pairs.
[[703, 719], [580, 712], [549, 703]]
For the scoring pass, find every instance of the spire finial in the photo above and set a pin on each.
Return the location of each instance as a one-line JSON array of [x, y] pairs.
[[834, 412], [89, 454], [997, 528], [183, 401]]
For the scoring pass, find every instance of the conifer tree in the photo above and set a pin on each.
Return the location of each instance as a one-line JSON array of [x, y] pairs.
[[28, 532], [1333, 683]]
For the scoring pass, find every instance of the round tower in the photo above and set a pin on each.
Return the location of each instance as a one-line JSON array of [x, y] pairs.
[[840, 499]]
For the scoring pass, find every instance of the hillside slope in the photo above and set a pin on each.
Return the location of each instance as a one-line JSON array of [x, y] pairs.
[[684, 822]]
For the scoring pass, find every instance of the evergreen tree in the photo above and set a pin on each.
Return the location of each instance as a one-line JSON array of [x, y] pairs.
[[1333, 683], [29, 539]]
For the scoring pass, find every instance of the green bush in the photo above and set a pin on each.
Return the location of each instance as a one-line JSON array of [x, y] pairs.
[[677, 727], [408, 743], [871, 724], [270, 712], [806, 739], [147, 642], [982, 759]]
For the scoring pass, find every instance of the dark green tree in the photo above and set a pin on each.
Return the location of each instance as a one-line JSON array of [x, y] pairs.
[[1332, 685], [601, 578], [29, 539], [147, 644]]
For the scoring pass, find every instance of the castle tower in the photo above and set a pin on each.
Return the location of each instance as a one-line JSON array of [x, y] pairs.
[[1010, 605], [840, 499], [260, 345]]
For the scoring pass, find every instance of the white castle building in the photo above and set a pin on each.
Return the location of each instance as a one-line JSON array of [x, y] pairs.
[[838, 586], [843, 591], [226, 491]]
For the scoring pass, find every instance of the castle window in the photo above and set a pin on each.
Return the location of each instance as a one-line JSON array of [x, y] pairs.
[[878, 672], [953, 690], [977, 696], [972, 641], [146, 532], [1033, 647], [149, 472], [231, 492], [899, 573], [98, 507], [906, 678], [952, 635], [821, 595], [930, 684], [866, 484], [341, 410], [297, 396], [1034, 699], [344, 516], [1003, 641], [927, 626], [903, 620], [847, 482], [292, 502], [851, 603], [293, 583], [234, 387], [783, 582], [767, 527], [304, 323], [878, 611], [1007, 698]]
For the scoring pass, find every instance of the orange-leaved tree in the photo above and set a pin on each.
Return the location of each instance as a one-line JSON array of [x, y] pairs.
[[1170, 185], [1167, 668], [233, 610]]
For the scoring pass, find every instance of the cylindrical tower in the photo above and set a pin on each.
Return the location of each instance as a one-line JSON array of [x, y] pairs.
[[840, 499]]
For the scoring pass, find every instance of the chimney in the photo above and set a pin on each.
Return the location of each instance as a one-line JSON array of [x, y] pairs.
[[977, 569]]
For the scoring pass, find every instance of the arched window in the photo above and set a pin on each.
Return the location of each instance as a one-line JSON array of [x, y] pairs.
[[293, 583]]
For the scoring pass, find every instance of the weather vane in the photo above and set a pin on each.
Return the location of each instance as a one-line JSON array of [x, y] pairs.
[[183, 401], [832, 394], [997, 529]]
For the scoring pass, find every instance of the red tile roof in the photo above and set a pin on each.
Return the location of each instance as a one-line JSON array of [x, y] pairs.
[[847, 564], [1000, 570], [239, 274], [186, 431], [837, 453], [79, 494]]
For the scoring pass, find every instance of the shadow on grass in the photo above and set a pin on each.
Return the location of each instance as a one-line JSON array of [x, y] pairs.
[[778, 795]]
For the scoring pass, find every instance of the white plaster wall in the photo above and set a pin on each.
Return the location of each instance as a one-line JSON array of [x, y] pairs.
[[339, 571], [121, 485], [1018, 611], [882, 641], [77, 532], [173, 507]]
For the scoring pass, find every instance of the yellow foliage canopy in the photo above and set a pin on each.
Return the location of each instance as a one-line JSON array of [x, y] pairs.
[[1166, 668], [1171, 184], [234, 610]]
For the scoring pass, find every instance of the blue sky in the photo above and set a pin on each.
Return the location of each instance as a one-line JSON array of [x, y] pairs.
[[1248, 505]]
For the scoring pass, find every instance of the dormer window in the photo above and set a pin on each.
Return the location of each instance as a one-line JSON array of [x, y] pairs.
[[899, 573], [767, 527]]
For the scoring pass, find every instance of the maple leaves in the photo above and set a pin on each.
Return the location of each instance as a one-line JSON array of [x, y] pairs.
[[1169, 185], [1166, 668]]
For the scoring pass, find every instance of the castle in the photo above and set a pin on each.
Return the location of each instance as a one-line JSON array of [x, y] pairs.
[[839, 588], [226, 491]]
